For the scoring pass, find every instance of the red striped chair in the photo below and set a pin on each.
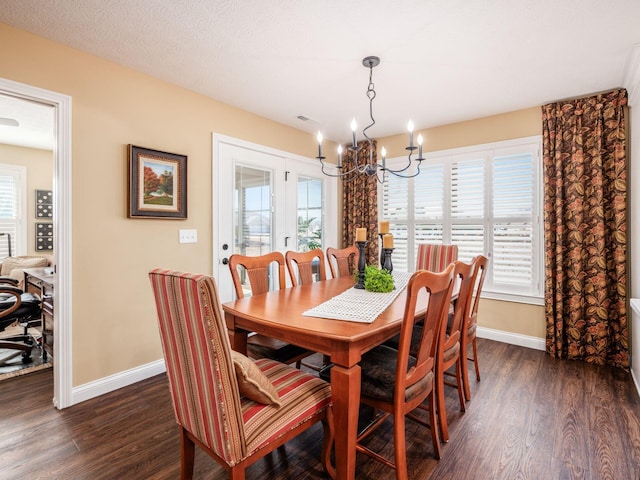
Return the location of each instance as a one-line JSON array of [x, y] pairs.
[[206, 380], [435, 258]]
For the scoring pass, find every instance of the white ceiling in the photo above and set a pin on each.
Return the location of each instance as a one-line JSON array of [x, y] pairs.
[[442, 61]]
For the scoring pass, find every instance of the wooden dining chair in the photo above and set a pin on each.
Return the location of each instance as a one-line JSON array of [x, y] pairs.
[[301, 265], [449, 344], [397, 383], [257, 269], [471, 325], [342, 258], [435, 258], [233, 408]]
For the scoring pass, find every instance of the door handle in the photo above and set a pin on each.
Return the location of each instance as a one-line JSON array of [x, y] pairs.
[[286, 241]]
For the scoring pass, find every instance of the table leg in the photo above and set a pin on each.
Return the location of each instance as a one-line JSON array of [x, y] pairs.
[[345, 388], [238, 338]]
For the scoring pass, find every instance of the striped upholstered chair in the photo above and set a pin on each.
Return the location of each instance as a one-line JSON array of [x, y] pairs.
[[435, 258], [211, 384]]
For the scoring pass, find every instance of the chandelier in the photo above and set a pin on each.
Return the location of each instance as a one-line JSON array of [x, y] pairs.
[[349, 168]]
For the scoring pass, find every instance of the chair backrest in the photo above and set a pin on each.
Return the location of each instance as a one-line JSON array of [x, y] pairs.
[[305, 263], [463, 279], [435, 258], [197, 352], [257, 269], [480, 263], [344, 265], [439, 286]]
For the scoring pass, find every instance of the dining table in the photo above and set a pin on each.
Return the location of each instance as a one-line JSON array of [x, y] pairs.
[[280, 314]]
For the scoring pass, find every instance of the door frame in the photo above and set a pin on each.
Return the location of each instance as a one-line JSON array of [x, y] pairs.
[[330, 195], [62, 365]]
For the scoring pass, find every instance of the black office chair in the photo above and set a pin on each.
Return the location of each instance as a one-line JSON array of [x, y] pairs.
[[21, 307]]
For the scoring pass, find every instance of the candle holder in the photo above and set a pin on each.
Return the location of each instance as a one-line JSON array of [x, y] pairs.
[[361, 265], [381, 250], [388, 266]]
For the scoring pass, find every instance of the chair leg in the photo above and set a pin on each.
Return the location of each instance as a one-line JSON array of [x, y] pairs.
[[433, 419], [442, 408], [475, 358], [400, 446], [187, 455], [237, 472], [459, 385], [464, 366], [327, 442]]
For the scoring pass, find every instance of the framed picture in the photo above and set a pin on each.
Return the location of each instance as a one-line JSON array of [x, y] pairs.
[[157, 184]]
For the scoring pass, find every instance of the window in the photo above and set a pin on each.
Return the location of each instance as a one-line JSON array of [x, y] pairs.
[[309, 213], [486, 200], [12, 203]]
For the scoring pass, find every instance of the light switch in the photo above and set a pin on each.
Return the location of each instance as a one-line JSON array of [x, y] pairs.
[[188, 236]]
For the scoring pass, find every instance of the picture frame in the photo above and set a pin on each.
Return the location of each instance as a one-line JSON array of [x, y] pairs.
[[157, 184]]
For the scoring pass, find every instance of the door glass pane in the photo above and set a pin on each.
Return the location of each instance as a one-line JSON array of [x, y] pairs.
[[252, 214], [309, 213], [309, 216]]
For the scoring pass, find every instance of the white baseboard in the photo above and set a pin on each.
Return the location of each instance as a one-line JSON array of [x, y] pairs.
[[116, 381], [511, 338]]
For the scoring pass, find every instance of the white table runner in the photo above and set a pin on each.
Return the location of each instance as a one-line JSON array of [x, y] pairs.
[[357, 305]]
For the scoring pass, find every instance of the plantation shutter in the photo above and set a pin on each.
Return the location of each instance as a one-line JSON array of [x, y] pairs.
[[8, 211], [513, 201]]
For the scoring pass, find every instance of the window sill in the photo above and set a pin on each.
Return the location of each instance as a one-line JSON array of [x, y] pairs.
[[510, 297]]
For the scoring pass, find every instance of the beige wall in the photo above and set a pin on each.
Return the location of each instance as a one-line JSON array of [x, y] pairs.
[[39, 165], [516, 318], [114, 325]]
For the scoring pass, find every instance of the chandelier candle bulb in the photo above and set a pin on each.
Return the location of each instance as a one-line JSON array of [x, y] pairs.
[[384, 226], [319, 144], [339, 156], [387, 241], [410, 128], [354, 126], [361, 234], [420, 147]]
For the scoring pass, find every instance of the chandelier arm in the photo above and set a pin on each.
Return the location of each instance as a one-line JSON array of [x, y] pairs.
[[341, 174], [398, 173]]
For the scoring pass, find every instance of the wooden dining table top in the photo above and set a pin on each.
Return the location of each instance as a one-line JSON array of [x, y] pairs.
[[280, 314]]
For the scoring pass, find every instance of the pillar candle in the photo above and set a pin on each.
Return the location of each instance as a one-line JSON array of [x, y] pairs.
[[384, 226], [361, 234], [387, 241]]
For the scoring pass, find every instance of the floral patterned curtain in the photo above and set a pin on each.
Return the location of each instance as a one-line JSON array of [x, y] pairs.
[[360, 203], [585, 223]]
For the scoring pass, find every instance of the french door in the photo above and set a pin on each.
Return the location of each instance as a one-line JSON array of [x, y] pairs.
[[267, 200]]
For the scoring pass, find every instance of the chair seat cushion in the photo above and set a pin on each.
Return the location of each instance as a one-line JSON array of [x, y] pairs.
[[262, 346], [29, 306], [379, 375], [302, 395]]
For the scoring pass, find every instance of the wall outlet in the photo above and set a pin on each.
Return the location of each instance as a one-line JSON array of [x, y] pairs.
[[188, 236]]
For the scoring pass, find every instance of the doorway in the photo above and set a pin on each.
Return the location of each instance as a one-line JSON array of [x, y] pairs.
[[61, 205], [267, 200]]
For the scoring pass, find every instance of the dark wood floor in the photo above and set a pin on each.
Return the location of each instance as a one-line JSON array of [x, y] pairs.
[[531, 417]]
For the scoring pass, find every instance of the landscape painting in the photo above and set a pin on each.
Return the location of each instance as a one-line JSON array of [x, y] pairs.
[[157, 184]]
